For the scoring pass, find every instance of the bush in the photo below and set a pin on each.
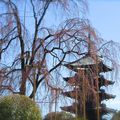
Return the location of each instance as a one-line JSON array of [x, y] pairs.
[[60, 116], [18, 107]]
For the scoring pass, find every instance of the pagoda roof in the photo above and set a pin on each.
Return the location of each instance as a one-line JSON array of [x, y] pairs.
[[72, 94], [76, 80], [87, 62], [104, 82], [104, 68], [72, 108], [101, 67], [68, 79], [106, 96], [76, 94], [103, 109]]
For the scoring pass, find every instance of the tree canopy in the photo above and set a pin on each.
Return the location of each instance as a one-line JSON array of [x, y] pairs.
[[27, 49]]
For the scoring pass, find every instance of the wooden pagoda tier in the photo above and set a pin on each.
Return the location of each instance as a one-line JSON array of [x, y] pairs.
[[104, 82], [91, 112], [103, 110], [76, 94], [75, 80], [88, 62]]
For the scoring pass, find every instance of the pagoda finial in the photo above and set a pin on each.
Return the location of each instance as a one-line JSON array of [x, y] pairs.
[[89, 46]]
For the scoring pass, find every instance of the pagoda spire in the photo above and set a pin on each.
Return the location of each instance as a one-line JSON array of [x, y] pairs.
[[89, 45]]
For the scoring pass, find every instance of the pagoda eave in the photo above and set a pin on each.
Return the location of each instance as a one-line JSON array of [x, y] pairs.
[[77, 68], [77, 95], [74, 110]]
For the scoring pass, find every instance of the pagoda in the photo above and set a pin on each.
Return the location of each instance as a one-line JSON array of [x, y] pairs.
[[86, 83]]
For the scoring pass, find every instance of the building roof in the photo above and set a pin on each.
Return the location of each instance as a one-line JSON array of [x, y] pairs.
[[77, 94], [88, 62], [104, 82], [75, 108], [106, 96], [76, 80]]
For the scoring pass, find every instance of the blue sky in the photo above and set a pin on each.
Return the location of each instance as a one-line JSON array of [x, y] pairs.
[[105, 17]]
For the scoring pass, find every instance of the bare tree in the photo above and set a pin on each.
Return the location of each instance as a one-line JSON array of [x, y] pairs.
[[29, 60]]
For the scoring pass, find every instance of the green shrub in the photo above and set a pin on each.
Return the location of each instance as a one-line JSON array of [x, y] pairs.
[[60, 116], [18, 107]]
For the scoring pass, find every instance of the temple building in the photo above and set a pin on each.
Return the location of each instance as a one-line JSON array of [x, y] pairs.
[[87, 92]]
